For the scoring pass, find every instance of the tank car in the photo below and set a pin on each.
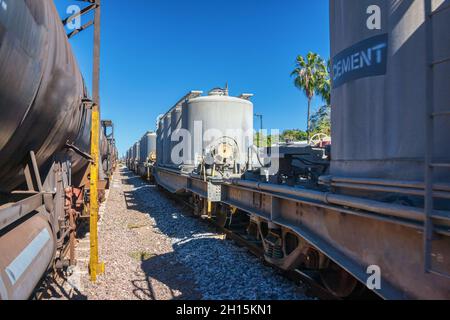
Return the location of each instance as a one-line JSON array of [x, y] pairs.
[[109, 150], [380, 95], [128, 159], [208, 135], [45, 128], [376, 214], [135, 157], [371, 211], [147, 150]]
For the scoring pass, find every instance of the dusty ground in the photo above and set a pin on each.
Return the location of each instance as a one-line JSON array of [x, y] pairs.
[[153, 251]]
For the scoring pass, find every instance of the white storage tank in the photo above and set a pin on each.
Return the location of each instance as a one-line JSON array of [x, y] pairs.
[[212, 129], [176, 125], [147, 146], [379, 96], [159, 141], [136, 152], [151, 143], [166, 133], [222, 120]]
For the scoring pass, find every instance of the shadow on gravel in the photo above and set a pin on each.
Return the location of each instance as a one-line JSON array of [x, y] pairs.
[[150, 204], [200, 260], [54, 289], [164, 268]]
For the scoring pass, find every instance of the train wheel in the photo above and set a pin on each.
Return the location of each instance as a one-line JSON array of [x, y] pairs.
[[339, 282], [198, 205], [221, 214]]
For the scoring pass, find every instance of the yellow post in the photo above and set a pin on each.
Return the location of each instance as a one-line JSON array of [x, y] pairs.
[[95, 267], [210, 209]]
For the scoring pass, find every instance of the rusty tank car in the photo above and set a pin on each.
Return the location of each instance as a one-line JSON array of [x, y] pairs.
[[45, 128]]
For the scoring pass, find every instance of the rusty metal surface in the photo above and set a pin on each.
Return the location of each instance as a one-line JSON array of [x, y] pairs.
[[11, 212], [41, 90], [353, 239], [314, 287], [26, 253]]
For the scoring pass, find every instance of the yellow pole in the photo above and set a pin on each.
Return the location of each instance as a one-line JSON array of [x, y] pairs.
[[95, 267], [209, 209]]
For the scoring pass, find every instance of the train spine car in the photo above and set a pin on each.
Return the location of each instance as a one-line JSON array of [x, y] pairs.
[[372, 211]]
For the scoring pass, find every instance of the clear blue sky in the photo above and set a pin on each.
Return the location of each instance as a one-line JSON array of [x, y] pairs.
[[155, 51]]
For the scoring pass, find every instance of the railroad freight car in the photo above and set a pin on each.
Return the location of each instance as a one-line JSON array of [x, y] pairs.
[[45, 128], [147, 155], [128, 158], [375, 214], [109, 152], [206, 134], [136, 157]]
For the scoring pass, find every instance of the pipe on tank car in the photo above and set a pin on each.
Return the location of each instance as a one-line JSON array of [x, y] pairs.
[[388, 209], [384, 182], [387, 189], [392, 186], [309, 194], [27, 252]]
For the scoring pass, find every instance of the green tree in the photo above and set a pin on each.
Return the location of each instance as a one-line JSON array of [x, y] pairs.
[[320, 121], [294, 135], [264, 141], [324, 86], [309, 76]]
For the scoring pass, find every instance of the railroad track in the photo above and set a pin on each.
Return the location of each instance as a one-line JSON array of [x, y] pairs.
[[315, 289]]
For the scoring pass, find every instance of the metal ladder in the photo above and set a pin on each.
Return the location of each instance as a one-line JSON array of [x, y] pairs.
[[430, 165]]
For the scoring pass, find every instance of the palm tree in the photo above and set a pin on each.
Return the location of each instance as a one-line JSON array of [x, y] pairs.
[[324, 87], [310, 74]]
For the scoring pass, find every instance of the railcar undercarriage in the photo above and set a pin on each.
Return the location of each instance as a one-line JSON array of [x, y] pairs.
[[339, 238]]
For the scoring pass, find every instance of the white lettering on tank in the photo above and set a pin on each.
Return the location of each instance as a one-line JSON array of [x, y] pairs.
[[4, 5], [378, 49], [359, 60], [366, 58], [374, 20]]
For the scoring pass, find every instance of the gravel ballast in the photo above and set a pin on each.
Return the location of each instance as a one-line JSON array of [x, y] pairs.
[[153, 250]]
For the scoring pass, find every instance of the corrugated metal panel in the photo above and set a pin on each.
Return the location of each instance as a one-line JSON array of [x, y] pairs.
[[41, 90], [378, 121]]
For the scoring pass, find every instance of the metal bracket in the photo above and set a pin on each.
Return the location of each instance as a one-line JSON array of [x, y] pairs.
[[79, 152], [32, 176], [35, 195], [257, 200], [429, 225], [82, 28], [83, 11], [87, 103], [214, 192]]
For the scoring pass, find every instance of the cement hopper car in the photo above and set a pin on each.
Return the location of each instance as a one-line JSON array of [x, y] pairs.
[[384, 78], [147, 148], [378, 218], [211, 133]]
